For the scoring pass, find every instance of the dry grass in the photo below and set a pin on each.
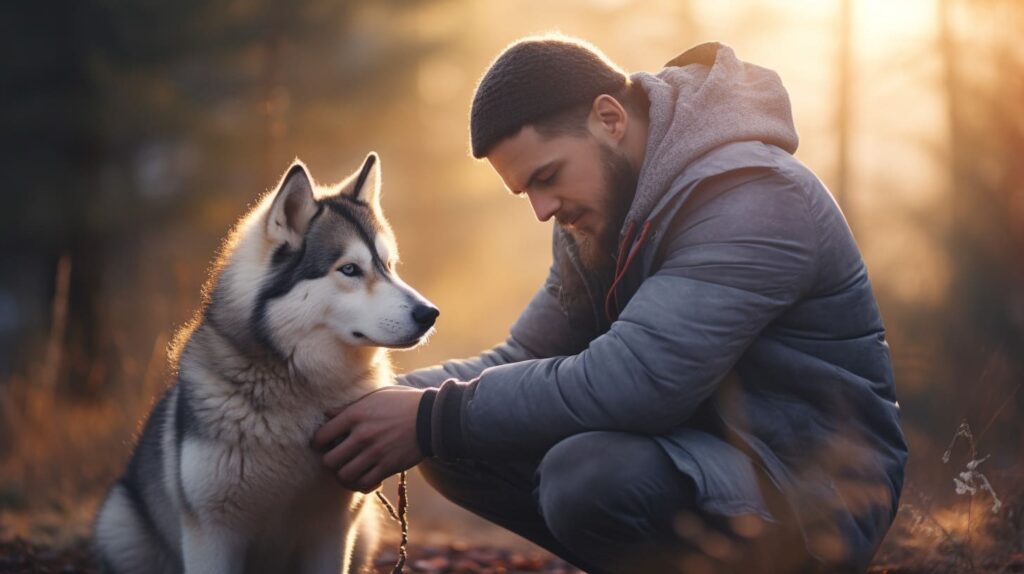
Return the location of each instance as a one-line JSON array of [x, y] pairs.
[[60, 460], [980, 531]]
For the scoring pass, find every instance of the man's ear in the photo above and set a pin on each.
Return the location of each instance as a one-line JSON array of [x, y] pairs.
[[609, 117], [293, 208], [367, 184]]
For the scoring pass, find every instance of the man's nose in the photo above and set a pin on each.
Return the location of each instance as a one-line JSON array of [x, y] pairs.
[[544, 207]]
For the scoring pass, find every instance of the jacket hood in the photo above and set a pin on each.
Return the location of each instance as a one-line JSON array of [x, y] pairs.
[[703, 99]]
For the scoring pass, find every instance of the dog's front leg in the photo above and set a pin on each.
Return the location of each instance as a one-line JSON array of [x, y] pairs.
[[322, 548], [323, 556], [212, 549]]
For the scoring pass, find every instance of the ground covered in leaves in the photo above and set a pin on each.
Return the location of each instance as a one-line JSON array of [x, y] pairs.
[[21, 557]]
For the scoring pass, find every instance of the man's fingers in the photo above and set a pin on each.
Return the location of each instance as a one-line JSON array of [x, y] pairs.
[[331, 430], [372, 480], [369, 489], [352, 471], [342, 453]]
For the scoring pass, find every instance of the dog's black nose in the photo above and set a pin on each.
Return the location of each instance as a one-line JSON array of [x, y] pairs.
[[425, 315]]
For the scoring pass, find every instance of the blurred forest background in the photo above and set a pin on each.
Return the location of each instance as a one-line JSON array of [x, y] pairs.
[[133, 134]]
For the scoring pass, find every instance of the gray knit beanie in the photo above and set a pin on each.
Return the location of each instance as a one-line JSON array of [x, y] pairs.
[[533, 78]]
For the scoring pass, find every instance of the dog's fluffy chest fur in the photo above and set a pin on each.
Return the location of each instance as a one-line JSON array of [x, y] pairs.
[[248, 424]]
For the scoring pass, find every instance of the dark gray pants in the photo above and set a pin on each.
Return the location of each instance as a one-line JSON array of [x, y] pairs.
[[614, 502]]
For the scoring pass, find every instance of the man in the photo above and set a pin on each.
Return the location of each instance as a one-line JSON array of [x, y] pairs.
[[703, 382]]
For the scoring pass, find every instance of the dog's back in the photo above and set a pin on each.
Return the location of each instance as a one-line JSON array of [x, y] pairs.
[[138, 527]]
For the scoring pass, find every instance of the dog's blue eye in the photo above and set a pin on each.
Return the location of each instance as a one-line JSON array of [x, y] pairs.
[[350, 270]]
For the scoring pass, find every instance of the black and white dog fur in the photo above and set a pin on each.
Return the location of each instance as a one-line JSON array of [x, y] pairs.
[[298, 310]]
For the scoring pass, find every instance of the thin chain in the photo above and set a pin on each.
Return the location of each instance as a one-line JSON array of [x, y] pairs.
[[402, 517]]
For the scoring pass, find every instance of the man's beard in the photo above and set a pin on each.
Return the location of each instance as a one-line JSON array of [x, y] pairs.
[[597, 251]]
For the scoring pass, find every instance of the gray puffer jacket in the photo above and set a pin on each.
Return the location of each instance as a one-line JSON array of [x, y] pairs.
[[743, 330]]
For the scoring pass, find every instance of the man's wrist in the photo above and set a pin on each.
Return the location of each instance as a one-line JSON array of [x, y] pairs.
[[439, 419], [423, 416]]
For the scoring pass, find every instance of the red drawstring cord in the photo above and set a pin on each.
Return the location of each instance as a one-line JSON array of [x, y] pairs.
[[622, 264], [609, 298]]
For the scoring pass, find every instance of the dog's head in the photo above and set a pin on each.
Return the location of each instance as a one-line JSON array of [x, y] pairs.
[[312, 263]]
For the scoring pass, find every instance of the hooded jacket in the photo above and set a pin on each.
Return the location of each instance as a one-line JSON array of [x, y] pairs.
[[741, 330]]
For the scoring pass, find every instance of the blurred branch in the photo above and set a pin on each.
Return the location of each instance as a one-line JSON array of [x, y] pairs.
[[58, 326]]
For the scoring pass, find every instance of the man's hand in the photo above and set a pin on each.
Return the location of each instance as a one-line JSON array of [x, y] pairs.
[[377, 437]]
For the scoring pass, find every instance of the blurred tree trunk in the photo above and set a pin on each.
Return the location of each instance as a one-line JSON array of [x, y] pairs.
[[274, 95], [979, 41], [844, 110], [951, 86]]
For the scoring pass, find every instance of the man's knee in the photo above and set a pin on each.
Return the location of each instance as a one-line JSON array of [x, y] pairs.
[[480, 486], [608, 485], [456, 481], [578, 471], [434, 474]]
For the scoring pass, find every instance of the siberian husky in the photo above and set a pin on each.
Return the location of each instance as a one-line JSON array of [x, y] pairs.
[[297, 312]]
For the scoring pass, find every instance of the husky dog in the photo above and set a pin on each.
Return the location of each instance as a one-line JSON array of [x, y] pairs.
[[297, 313]]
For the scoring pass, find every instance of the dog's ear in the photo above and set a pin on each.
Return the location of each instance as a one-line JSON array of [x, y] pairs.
[[293, 208], [367, 184]]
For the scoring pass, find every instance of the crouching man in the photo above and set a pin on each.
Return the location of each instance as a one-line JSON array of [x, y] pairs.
[[702, 383]]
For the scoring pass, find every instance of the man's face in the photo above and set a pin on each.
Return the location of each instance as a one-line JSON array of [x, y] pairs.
[[585, 184]]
